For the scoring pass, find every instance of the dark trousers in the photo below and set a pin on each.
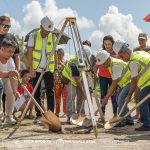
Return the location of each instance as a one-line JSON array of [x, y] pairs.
[[48, 80], [104, 84], [145, 107]]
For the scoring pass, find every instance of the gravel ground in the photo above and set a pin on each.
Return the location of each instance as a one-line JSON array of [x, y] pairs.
[[30, 136]]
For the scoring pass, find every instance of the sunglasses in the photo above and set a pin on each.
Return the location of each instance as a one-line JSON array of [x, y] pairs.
[[6, 26]]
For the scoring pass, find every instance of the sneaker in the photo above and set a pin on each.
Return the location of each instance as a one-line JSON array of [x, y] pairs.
[[64, 115], [37, 120], [68, 120], [142, 128], [120, 125], [129, 123], [10, 120]]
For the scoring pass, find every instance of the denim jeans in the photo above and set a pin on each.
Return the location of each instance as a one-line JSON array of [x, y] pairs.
[[145, 107], [104, 84], [48, 80], [1, 92], [121, 100]]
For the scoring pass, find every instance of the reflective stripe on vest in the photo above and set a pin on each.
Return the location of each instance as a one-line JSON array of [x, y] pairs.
[[125, 76], [37, 51], [67, 73], [143, 60]]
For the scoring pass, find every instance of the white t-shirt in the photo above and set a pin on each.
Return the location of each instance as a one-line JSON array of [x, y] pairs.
[[43, 59], [134, 68], [116, 71], [9, 66]]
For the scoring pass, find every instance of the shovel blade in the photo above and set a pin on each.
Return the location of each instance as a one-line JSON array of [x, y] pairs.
[[51, 121]]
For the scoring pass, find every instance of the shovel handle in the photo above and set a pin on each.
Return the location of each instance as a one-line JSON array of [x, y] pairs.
[[138, 104], [30, 95], [122, 109], [33, 99]]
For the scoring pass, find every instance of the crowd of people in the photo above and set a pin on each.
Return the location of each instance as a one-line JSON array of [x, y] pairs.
[[122, 72]]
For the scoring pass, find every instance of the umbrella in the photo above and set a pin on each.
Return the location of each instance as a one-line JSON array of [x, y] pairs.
[[63, 40], [147, 18]]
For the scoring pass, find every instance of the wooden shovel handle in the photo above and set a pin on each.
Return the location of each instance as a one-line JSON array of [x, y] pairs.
[[35, 102]]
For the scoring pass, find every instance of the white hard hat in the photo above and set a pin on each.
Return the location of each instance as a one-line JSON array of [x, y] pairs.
[[47, 24], [118, 45], [101, 57]]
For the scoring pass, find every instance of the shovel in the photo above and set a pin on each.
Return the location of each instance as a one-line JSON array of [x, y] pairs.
[[48, 119], [118, 117], [110, 125], [75, 118]]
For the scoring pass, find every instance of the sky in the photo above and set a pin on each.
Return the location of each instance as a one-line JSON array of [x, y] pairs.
[[123, 19]]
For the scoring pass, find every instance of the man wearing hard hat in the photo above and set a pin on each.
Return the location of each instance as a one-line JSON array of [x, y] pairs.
[[120, 78], [75, 87], [39, 47], [139, 65]]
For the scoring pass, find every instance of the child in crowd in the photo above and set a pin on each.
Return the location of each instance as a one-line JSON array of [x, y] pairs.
[[60, 88], [25, 76]]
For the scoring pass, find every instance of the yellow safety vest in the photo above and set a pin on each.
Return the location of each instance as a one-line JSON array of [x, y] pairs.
[[125, 76], [37, 51], [67, 73], [143, 60]]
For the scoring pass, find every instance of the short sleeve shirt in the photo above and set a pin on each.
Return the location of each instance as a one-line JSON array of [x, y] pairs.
[[134, 68], [9, 66], [116, 72], [30, 43]]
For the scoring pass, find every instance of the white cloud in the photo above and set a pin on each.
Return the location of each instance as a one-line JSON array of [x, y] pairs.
[[118, 25], [15, 26], [34, 11]]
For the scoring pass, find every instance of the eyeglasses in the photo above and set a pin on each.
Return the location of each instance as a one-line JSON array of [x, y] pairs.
[[6, 26]]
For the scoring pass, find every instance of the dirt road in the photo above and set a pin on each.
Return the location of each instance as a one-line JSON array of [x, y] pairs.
[[30, 136]]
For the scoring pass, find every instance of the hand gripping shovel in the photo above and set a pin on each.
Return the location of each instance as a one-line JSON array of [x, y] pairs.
[[48, 119], [111, 124], [113, 120]]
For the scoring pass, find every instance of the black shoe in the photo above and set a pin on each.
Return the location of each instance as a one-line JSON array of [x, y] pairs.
[[68, 120], [142, 128], [130, 123], [121, 125], [37, 120]]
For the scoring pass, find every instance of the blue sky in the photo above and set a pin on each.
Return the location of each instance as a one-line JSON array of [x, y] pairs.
[[89, 13]]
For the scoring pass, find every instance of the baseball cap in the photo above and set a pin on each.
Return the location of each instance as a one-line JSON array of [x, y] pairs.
[[47, 24], [142, 36]]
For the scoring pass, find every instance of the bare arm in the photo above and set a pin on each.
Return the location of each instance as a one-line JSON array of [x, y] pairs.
[[110, 92], [17, 61], [133, 85], [29, 58], [80, 87], [14, 86], [112, 89], [4, 74]]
